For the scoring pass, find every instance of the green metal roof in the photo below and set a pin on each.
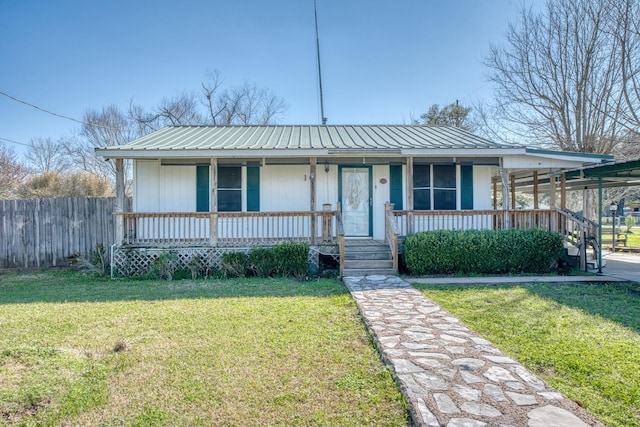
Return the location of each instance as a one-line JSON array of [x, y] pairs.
[[333, 139]]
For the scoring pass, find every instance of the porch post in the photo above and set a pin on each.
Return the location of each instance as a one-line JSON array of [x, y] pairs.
[[552, 203], [213, 202], [119, 205], [495, 195], [409, 195], [505, 199], [600, 225], [535, 190], [513, 191], [313, 162], [563, 191]]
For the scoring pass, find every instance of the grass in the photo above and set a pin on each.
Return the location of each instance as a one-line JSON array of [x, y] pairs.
[[77, 350], [583, 339]]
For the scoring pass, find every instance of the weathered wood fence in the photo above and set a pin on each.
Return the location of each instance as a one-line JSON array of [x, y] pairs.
[[41, 233]]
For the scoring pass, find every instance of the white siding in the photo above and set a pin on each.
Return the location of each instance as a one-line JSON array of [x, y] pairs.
[[327, 187], [285, 188], [482, 187], [380, 197], [164, 188]]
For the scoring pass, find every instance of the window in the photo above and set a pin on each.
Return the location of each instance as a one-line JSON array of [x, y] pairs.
[[444, 187], [434, 183], [229, 189], [422, 187]]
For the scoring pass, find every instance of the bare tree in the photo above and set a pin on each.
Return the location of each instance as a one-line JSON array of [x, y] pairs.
[[245, 104], [47, 155], [106, 128], [559, 81], [12, 173], [239, 105]]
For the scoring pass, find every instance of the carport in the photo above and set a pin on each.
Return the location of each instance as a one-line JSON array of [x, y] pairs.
[[596, 177]]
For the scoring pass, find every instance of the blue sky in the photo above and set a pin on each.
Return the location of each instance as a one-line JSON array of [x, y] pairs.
[[382, 61]]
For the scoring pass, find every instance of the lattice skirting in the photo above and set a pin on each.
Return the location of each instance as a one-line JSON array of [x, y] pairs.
[[127, 261]]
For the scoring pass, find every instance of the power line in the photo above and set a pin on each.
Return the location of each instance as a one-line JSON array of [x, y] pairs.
[[56, 114], [14, 142]]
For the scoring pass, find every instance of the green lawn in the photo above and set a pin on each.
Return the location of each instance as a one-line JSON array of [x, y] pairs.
[[77, 350], [583, 339]]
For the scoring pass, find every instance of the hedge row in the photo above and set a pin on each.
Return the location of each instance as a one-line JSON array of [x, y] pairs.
[[482, 251], [283, 259]]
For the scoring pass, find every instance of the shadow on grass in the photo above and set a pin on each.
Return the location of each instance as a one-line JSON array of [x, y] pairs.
[[616, 301], [67, 286]]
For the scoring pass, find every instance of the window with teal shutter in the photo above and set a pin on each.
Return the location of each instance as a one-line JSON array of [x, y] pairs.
[[395, 186], [253, 189], [202, 188], [466, 187]]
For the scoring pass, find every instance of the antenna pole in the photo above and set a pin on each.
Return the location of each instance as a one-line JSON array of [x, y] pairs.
[[315, 11]]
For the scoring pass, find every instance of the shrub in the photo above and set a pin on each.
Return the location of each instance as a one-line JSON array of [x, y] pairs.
[[482, 251], [262, 261], [630, 222], [291, 259], [234, 264], [165, 265]]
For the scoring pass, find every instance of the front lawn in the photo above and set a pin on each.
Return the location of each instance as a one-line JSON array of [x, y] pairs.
[[583, 339], [76, 350]]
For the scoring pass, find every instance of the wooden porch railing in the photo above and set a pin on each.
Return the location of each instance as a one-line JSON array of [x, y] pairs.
[[228, 228], [581, 233], [409, 222], [392, 233], [340, 234]]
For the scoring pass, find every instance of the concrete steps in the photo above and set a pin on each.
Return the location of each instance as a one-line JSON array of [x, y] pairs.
[[367, 257]]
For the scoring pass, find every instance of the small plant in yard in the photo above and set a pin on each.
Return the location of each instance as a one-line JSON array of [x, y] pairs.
[[100, 259], [196, 266], [630, 222], [165, 265]]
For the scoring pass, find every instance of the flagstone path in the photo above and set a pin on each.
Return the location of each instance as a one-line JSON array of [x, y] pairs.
[[449, 374]]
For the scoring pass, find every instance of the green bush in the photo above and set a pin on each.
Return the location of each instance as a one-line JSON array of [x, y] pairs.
[[234, 264], [482, 251], [291, 259], [262, 262]]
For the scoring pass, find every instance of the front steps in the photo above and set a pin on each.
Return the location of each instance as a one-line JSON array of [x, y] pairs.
[[367, 257], [573, 254]]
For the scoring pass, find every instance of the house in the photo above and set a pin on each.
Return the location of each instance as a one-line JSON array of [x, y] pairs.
[[209, 189]]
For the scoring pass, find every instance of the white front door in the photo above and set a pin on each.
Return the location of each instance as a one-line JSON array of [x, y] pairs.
[[356, 201]]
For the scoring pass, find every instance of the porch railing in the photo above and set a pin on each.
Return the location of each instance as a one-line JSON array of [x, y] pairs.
[[409, 222], [227, 228]]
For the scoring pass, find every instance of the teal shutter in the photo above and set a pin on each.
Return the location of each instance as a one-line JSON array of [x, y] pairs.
[[202, 188], [395, 186], [466, 187], [253, 189]]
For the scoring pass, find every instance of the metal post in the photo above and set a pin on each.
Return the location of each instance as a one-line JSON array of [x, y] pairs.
[[599, 224]]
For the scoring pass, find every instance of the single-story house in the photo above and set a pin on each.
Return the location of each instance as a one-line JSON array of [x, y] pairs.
[[342, 188]]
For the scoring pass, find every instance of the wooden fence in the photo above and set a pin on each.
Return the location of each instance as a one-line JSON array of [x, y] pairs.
[[41, 233]]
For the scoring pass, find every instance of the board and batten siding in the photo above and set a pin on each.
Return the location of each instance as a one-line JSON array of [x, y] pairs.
[[163, 188], [42, 233]]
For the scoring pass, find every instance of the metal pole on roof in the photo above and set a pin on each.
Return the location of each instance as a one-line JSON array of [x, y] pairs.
[[315, 11]]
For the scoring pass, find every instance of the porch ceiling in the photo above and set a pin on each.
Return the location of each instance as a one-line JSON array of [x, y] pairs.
[[615, 174]]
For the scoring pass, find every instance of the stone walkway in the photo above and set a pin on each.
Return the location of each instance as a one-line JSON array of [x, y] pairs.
[[449, 374]]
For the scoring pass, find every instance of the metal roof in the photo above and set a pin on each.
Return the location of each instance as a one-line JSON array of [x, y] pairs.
[[329, 139]]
